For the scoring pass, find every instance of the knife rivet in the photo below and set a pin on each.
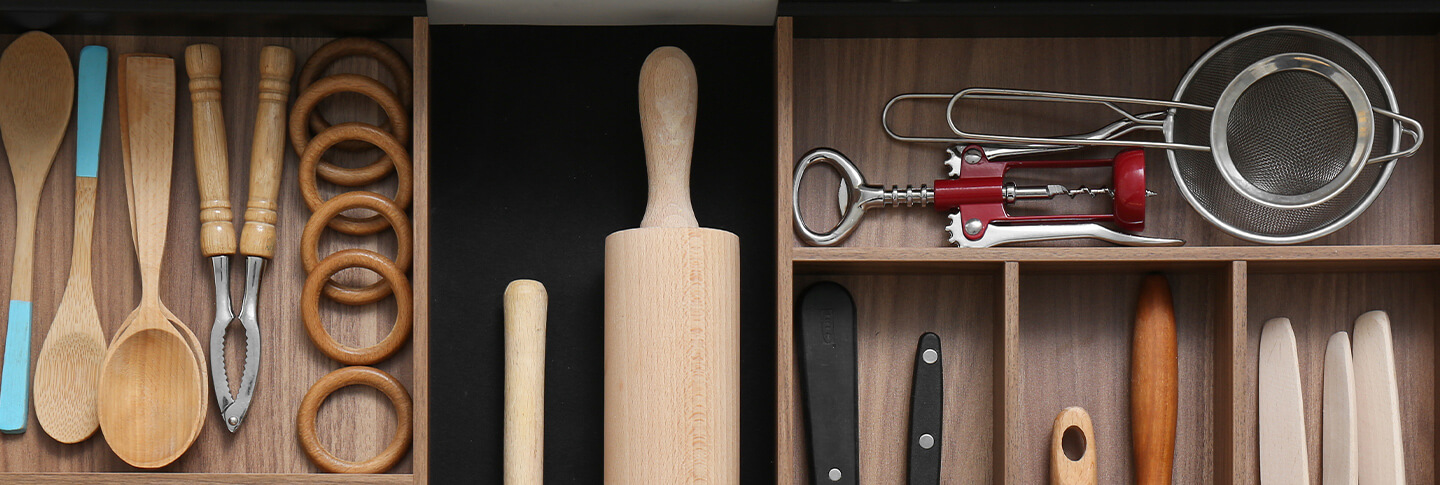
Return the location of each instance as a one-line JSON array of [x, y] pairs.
[[927, 441], [834, 474], [930, 356]]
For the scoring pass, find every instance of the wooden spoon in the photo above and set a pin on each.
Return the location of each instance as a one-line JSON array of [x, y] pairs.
[[150, 386], [68, 369], [37, 89]]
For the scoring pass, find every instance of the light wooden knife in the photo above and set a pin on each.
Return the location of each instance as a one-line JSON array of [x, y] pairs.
[[1283, 457], [1338, 456], [1377, 399]]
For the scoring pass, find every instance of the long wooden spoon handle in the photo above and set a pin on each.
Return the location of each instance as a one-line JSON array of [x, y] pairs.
[[212, 166], [525, 309], [150, 88], [1154, 383], [668, 96], [267, 152]]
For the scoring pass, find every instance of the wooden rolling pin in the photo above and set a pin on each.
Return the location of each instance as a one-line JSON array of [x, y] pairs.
[[525, 306], [672, 312], [1154, 383]]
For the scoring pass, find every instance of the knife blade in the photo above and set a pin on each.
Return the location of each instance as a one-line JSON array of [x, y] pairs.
[[827, 335], [927, 412]]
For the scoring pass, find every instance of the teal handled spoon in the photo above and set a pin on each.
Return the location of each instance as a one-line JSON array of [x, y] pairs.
[[37, 89], [67, 372]]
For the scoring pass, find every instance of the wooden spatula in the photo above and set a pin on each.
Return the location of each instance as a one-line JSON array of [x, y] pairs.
[[1281, 413], [1377, 399], [37, 89], [1339, 460]]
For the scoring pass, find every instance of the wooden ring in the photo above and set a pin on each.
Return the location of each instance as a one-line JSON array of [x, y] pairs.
[[310, 244], [350, 83], [310, 307], [355, 46], [355, 376], [310, 165]]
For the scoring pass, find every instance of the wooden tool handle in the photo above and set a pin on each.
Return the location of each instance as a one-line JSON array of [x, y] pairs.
[[150, 89], [668, 96], [212, 167], [525, 302], [1073, 453], [1154, 383], [267, 153]]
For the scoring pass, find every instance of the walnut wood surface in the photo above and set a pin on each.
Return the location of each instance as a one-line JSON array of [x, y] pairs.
[[353, 422]]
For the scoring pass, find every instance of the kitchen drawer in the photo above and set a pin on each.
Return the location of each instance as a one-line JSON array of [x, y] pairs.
[[356, 422], [1052, 321]]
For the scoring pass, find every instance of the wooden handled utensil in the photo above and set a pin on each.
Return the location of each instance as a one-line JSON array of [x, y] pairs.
[[1154, 383], [525, 306], [672, 302], [1073, 454], [37, 88], [1377, 399], [151, 388], [1339, 462], [67, 372], [1281, 412]]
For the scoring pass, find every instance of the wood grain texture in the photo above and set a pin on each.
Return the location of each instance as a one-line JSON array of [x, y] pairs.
[[892, 312], [1321, 304], [1280, 411], [1339, 461], [668, 98], [67, 372], [267, 152], [353, 422], [841, 86], [399, 444], [525, 308], [212, 166], [420, 273], [1072, 449], [790, 444], [1234, 388], [1154, 383], [1074, 341], [1382, 446], [1008, 378]]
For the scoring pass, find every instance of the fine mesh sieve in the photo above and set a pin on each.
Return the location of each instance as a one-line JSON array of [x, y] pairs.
[[1272, 135]]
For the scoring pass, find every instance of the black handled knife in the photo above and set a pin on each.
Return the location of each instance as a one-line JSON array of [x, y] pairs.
[[927, 412], [826, 321]]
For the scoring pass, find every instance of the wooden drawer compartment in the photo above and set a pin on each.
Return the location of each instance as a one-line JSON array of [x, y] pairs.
[[356, 422], [1060, 334]]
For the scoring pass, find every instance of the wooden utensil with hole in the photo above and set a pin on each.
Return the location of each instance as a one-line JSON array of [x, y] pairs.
[[1154, 383], [1281, 412], [67, 372], [1339, 464], [37, 89], [1377, 401], [1073, 454], [525, 309], [150, 379], [672, 322]]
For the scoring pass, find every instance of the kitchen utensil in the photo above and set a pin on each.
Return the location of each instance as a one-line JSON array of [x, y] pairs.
[[1154, 383], [1377, 401], [826, 326], [67, 372], [356, 376], [977, 188], [927, 412], [37, 88], [525, 302], [1281, 413], [672, 303], [122, 82], [149, 381], [1340, 461], [1290, 115], [1072, 449]]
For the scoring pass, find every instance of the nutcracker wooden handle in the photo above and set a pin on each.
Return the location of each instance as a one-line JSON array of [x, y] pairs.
[[212, 166], [668, 97], [1154, 383], [525, 302], [267, 153]]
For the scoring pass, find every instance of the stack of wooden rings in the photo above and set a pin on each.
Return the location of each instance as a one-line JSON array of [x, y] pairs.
[[392, 138]]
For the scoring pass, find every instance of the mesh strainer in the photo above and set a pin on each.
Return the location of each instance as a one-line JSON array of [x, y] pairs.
[[1271, 135]]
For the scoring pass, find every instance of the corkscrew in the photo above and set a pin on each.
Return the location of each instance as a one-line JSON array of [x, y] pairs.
[[977, 188]]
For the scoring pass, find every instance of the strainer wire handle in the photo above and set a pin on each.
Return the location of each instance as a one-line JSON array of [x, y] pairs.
[[1141, 121], [994, 151], [1408, 127]]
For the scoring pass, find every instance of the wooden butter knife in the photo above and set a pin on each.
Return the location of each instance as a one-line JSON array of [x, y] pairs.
[[1281, 412]]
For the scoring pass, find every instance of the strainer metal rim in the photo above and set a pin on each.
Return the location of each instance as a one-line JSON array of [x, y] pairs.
[[1388, 167], [1285, 62]]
